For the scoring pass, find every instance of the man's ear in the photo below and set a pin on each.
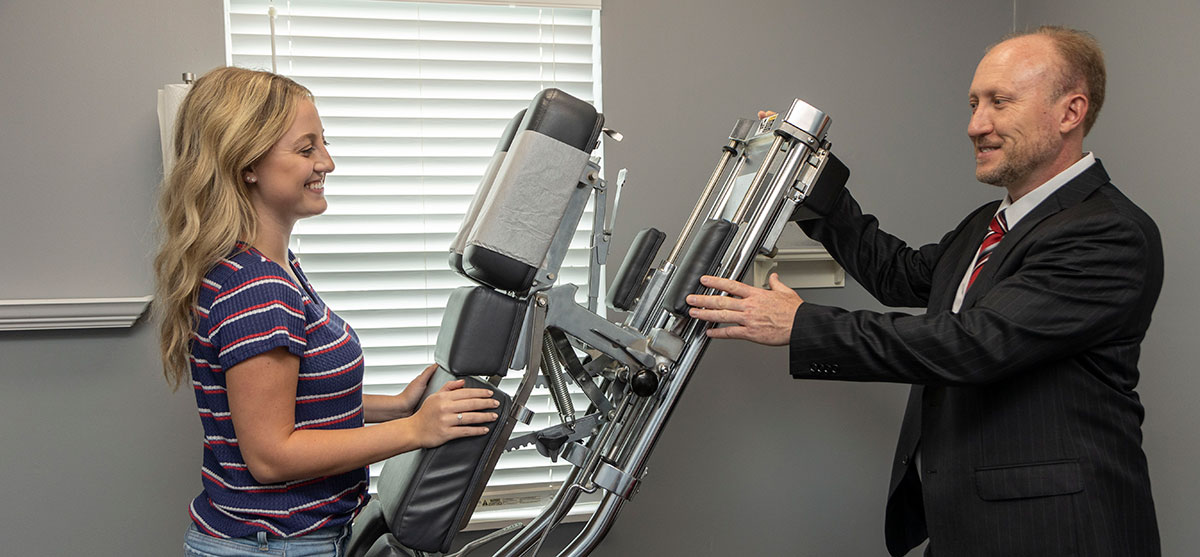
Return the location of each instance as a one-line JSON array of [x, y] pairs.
[[1076, 107]]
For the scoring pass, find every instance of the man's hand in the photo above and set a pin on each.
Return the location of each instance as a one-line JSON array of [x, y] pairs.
[[762, 316]]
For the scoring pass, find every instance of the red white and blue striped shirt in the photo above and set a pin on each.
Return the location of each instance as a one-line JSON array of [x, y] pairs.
[[249, 305]]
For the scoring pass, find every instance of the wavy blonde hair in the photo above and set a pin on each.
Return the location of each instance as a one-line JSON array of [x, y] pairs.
[[228, 121]]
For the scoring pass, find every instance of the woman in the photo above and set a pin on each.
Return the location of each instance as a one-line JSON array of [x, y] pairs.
[[277, 375]]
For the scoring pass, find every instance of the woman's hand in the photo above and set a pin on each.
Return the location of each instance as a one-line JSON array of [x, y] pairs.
[[409, 399], [381, 408], [453, 412]]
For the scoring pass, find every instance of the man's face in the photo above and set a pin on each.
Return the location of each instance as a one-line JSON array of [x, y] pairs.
[[1013, 124]]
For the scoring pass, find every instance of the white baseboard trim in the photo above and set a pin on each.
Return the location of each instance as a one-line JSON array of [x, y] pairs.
[[71, 313]]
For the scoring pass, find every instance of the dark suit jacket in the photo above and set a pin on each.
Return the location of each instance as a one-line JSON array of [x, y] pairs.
[[1023, 403]]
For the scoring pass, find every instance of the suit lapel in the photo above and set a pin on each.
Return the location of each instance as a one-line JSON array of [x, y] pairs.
[[1069, 195], [959, 255]]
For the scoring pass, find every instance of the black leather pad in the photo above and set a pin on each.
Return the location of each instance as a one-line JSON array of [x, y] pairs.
[[631, 276], [510, 131], [479, 332], [368, 527], [497, 270], [701, 258], [825, 192], [424, 493], [565, 118]]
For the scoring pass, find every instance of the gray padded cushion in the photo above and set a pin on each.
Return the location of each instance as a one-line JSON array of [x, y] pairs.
[[479, 332], [425, 494], [482, 192], [522, 212], [525, 207]]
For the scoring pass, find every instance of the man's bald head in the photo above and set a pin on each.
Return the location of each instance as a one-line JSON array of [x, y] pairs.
[[1080, 65]]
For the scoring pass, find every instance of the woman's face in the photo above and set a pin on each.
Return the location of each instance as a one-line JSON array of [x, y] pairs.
[[288, 183]]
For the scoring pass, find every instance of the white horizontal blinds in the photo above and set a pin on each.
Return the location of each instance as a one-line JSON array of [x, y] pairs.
[[414, 97]]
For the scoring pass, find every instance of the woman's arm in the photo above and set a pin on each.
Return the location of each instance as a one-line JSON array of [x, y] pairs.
[[262, 400]]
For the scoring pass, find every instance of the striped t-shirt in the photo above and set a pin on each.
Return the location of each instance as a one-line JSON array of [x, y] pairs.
[[247, 306]]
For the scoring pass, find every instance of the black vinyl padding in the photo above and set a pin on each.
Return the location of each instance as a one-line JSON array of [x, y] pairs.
[[570, 120], [630, 280], [456, 263], [425, 495], [368, 527], [510, 131], [479, 332], [701, 258], [823, 194], [497, 270]]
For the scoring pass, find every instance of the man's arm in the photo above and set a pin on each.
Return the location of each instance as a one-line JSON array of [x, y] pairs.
[[891, 271], [1077, 286]]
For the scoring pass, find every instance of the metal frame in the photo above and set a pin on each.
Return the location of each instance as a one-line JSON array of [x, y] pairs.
[[639, 368]]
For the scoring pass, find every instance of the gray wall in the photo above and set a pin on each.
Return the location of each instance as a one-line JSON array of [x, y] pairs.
[[100, 458]]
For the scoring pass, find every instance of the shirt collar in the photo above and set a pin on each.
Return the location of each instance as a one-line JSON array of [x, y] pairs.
[[1014, 211]]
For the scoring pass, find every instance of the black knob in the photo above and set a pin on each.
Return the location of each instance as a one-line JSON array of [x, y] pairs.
[[644, 383]]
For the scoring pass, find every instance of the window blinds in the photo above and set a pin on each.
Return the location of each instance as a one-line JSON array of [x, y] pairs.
[[413, 97]]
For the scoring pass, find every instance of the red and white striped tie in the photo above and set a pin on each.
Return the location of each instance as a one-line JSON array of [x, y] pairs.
[[995, 233]]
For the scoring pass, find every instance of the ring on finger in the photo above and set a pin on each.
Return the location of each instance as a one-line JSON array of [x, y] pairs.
[[460, 417]]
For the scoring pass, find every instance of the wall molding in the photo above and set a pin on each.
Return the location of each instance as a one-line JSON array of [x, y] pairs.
[[71, 313], [800, 268]]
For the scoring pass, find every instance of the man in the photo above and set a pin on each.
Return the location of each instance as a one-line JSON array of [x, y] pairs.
[[1022, 434]]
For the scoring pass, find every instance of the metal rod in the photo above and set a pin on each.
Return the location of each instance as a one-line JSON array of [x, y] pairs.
[[759, 178], [597, 527], [727, 189], [726, 154], [771, 202], [564, 498]]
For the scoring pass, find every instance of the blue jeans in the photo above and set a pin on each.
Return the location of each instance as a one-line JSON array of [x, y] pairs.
[[326, 542]]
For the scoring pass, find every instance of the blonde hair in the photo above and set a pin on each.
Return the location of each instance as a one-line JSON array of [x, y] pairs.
[[228, 121]]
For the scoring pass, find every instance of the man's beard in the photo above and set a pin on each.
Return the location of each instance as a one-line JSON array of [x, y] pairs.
[[1019, 162]]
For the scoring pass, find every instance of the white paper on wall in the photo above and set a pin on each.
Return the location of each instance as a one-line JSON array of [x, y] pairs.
[[170, 98]]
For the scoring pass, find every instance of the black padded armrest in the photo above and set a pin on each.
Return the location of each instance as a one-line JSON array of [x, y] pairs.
[[630, 279], [701, 258], [479, 332]]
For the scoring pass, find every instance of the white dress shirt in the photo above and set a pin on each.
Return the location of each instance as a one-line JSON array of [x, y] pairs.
[[1014, 211]]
